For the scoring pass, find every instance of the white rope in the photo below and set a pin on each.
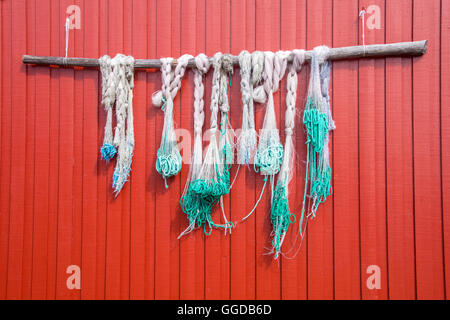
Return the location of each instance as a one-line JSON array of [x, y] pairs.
[[118, 75], [168, 161], [247, 137], [108, 99], [286, 171], [202, 66]]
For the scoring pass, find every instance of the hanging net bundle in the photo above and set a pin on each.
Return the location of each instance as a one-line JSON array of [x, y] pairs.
[[318, 121], [117, 88], [213, 180], [280, 214], [168, 160], [251, 70], [202, 66]]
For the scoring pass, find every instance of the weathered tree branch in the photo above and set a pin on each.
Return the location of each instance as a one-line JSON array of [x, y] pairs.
[[411, 49]]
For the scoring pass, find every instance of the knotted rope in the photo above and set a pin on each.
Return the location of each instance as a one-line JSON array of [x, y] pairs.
[[168, 161], [123, 72], [318, 122], [117, 88], [108, 150], [269, 154], [202, 67], [270, 151], [280, 214], [247, 138], [213, 180]]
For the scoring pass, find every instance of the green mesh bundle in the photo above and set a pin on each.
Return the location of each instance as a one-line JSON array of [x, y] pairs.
[[213, 180], [318, 122]]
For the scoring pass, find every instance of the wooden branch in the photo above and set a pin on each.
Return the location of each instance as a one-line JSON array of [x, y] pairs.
[[405, 49]]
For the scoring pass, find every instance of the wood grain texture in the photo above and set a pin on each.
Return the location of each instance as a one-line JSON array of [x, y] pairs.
[[399, 157], [427, 155], [390, 155]]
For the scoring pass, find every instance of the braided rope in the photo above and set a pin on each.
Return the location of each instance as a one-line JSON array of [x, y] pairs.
[[168, 161], [280, 214]]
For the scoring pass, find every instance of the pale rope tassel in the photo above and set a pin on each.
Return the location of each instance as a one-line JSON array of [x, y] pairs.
[[202, 66], [213, 163], [321, 54], [108, 150], [321, 96], [123, 69], [269, 155], [285, 175], [168, 162], [274, 69], [226, 144], [226, 139], [247, 137]]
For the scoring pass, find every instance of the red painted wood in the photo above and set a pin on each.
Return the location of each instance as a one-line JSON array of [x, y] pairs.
[[372, 165], [399, 156], [345, 167], [29, 165], [138, 182], [54, 159], [168, 216], [114, 235], [390, 157], [18, 150], [5, 135], [42, 169], [243, 191], [320, 230], [192, 250], [66, 214], [268, 271], [89, 260], [427, 160], [217, 246], [153, 84], [445, 134], [103, 177], [294, 271]]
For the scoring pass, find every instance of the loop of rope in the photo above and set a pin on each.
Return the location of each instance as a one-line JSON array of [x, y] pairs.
[[168, 162], [117, 88], [281, 216]]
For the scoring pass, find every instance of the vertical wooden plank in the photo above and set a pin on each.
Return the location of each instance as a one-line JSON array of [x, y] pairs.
[[167, 205], [138, 179], [346, 179], [42, 152], [294, 271], [103, 177], [192, 251], [320, 233], [5, 164], [18, 152], [114, 231], [427, 162], [268, 284], [66, 214], [217, 250], [243, 192], [126, 13], [78, 114], [399, 156], [54, 153], [372, 164], [152, 144], [28, 19], [445, 134], [90, 149]]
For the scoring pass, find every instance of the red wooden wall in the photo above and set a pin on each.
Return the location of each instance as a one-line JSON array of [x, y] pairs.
[[390, 157]]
